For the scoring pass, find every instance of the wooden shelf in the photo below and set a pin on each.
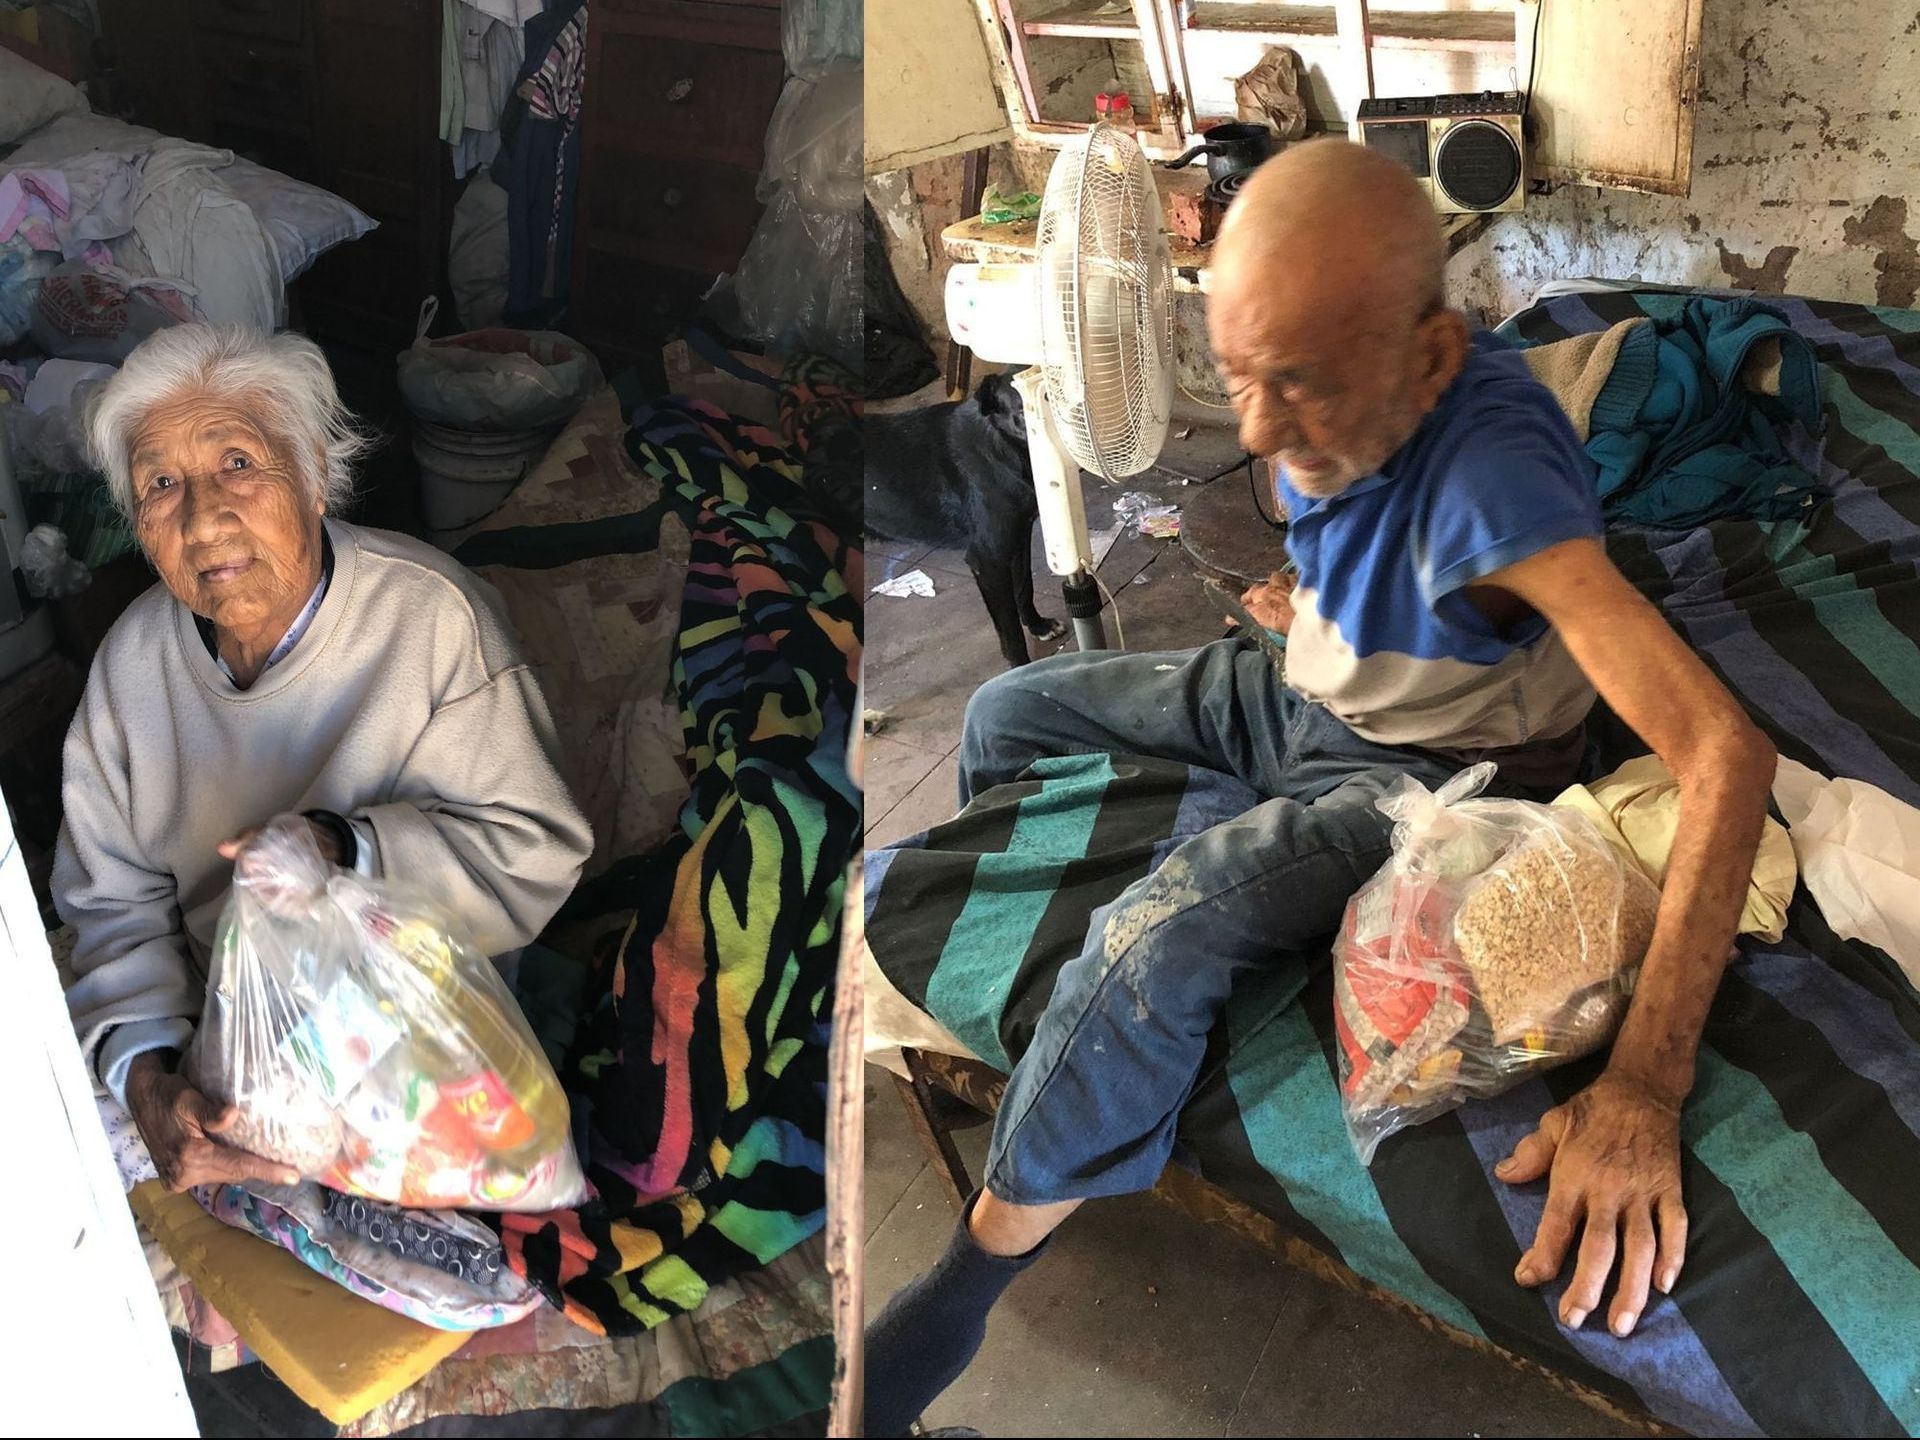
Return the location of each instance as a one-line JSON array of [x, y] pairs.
[[1281, 24], [1094, 19], [973, 239]]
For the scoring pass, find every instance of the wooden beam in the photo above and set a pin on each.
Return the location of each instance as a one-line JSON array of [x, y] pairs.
[[973, 188], [1356, 42]]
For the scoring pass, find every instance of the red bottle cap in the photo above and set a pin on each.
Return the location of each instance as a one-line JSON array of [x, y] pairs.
[[1119, 101]]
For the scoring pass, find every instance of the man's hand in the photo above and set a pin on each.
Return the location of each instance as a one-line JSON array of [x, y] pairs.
[[1613, 1155], [1271, 601], [182, 1129]]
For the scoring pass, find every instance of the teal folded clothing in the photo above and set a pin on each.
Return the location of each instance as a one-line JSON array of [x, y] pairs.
[[1683, 431]]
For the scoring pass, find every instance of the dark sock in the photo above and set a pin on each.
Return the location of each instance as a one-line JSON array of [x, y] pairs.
[[931, 1330]]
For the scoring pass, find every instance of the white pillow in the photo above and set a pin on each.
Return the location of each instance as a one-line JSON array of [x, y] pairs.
[[302, 220], [30, 97]]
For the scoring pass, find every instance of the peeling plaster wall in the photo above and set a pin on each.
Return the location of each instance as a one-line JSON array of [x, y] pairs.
[[1806, 172], [1806, 178], [915, 204]]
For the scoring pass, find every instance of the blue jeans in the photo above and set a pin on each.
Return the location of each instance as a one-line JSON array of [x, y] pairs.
[[1092, 1106]]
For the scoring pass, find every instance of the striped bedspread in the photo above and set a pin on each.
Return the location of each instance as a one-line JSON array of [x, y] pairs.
[[1799, 1308]]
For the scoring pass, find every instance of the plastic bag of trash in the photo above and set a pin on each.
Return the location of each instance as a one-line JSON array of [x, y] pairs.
[[52, 574]]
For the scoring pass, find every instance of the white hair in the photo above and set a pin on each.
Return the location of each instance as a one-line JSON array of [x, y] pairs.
[[283, 379]]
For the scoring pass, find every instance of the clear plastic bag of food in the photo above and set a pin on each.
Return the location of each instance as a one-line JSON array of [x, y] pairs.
[[1501, 939], [369, 1045]]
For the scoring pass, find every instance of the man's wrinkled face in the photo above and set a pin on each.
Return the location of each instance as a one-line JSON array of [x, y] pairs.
[[1328, 390], [220, 510]]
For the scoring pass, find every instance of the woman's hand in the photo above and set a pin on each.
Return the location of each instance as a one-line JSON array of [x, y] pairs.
[[276, 871], [182, 1129], [322, 837]]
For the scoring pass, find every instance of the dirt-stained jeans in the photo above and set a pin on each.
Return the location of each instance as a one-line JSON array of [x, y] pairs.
[[1092, 1105]]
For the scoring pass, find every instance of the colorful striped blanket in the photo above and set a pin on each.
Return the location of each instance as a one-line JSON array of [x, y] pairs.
[[1798, 1309], [699, 1075]]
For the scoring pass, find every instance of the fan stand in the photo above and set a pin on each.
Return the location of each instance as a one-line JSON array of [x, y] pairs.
[[1063, 514]]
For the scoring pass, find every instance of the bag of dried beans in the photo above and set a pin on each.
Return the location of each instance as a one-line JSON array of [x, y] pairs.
[[1500, 939]]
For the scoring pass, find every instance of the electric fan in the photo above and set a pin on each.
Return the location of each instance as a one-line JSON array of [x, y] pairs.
[[1092, 318]]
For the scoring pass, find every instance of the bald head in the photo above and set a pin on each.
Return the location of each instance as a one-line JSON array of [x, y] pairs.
[[1325, 311], [1348, 225]]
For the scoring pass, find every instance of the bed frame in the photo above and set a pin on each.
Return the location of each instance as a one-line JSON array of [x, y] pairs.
[[980, 1088]]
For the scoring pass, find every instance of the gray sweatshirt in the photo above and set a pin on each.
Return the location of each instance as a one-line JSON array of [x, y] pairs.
[[406, 707]]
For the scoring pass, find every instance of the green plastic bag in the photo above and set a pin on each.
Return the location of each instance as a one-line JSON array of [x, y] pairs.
[[1000, 209]]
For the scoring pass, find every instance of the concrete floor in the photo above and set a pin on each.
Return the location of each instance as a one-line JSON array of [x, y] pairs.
[[1140, 1321]]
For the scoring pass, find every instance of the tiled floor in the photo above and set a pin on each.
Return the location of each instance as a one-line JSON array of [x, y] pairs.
[[1139, 1321]]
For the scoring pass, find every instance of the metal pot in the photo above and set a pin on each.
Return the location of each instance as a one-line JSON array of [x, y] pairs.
[[1230, 149]]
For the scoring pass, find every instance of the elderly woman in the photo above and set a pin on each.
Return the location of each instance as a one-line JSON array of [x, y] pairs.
[[286, 662]]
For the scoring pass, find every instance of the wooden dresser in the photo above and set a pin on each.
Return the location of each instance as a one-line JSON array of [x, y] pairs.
[[342, 93], [679, 93], [345, 93]]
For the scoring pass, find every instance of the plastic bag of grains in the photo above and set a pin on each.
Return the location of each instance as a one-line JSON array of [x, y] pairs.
[[1502, 938]]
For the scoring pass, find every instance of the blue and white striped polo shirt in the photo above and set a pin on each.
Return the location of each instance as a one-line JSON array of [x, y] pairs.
[[1384, 635]]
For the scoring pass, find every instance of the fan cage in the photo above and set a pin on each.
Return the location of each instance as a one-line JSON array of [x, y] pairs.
[[1107, 298]]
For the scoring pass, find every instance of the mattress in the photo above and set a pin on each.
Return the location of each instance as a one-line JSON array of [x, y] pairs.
[[1796, 1311]]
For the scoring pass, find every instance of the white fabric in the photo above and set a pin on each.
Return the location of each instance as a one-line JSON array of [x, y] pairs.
[[303, 221], [407, 708], [102, 191], [491, 51], [514, 12], [130, 1155], [477, 254], [195, 229], [1859, 853], [30, 97]]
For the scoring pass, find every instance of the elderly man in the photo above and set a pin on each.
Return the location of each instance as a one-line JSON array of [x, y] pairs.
[[1454, 604], [286, 662]]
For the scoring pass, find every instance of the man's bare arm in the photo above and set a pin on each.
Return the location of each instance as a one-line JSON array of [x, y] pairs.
[[1613, 1152]]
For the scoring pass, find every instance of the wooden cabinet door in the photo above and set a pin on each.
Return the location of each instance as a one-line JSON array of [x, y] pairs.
[[1614, 88], [151, 43], [377, 128], [930, 91]]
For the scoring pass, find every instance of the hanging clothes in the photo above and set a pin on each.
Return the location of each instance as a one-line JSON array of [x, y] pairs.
[[539, 164], [491, 49]]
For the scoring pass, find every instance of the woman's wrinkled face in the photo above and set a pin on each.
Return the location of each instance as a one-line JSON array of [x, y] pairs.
[[221, 511]]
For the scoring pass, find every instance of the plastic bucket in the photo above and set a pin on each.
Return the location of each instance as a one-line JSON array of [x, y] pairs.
[[465, 475]]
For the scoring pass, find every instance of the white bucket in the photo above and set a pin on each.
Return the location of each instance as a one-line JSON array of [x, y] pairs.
[[465, 475]]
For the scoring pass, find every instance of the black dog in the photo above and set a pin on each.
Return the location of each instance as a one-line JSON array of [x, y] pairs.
[[959, 475]]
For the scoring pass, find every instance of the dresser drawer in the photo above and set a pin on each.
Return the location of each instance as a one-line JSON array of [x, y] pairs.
[[270, 19], [680, 213], [683, 94]]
